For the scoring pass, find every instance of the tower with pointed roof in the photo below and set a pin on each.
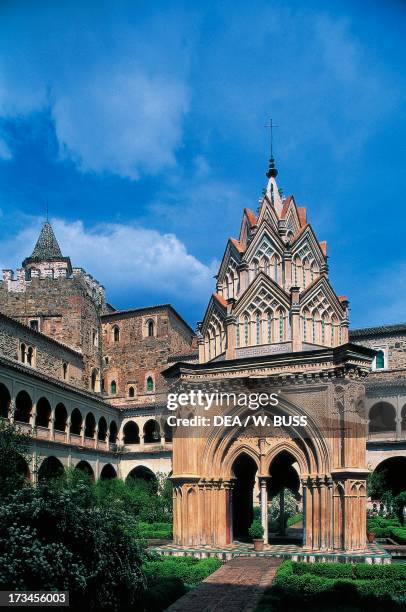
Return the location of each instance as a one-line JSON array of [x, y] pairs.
[[47, 254], [273, 293], [53, 297]]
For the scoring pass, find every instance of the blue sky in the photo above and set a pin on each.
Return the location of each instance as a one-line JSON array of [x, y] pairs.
[[142, 125]]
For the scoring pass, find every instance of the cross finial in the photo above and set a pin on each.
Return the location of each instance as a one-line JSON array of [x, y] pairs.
[[271, 126], [47, 211]]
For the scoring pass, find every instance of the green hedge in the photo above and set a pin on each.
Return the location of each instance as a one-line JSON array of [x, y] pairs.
[[162, 593], [329, 586], [190, 570], [398, 534], [161, 531]]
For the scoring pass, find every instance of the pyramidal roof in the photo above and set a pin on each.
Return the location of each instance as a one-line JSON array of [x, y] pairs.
[[47, 246]]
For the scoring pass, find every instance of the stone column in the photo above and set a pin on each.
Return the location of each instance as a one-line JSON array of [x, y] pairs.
[[295, 319], [52, 425], [11, 411], [287, 260], [243, 272], [67, 428], [264, 506], [345, 323], [231, 330]]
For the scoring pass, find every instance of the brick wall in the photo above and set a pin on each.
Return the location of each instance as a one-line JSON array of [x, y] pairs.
[[137, 356]]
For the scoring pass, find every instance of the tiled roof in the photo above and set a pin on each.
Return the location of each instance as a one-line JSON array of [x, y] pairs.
[[47, 246], [373, 331], [220, 299], [251, 216]]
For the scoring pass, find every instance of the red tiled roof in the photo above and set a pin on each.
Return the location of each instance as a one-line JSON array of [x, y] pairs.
[[220, 299], [237, 245], [343, 298], [250, 216], [285, 207], [302, 214], [323, 246]]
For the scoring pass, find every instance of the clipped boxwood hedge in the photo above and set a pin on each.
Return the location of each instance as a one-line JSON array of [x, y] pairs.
[[320, 586], [398, 534], [161, 531], [189, 569]]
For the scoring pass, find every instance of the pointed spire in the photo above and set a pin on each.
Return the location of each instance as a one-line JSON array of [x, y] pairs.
[[47, 247]]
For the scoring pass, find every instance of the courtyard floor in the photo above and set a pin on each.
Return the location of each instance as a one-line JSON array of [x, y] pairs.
[[373, 554]]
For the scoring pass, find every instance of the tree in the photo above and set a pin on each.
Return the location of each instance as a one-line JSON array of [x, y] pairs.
[[14, 457]]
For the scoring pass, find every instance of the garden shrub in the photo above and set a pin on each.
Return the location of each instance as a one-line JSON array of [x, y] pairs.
[[292, 520], [189, 569], [155, 530], [162, 593], [326, 570], [398, 534]]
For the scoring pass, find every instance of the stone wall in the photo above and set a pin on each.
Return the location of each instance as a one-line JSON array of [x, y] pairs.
[[67, 309], [48, 356], [394, 345], [136, 356]]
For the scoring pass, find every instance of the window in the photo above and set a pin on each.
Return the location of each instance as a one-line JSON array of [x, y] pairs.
[[113, 387], [34, 324], [22, 353], [95, 337], [281, 326], [150, 328], [380, 359], [258, 327], [246, 330], [116, 334], [30, 355], [64, 371], [269, 327], [150, 384], [131, 392], [106, 361]]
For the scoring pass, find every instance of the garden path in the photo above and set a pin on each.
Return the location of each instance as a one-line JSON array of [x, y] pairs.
[[235, 587]]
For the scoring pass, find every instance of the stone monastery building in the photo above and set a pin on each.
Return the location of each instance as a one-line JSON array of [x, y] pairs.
[[90, 382]]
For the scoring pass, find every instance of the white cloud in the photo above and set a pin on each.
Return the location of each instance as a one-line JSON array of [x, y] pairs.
[[117, 102], [126, 259]]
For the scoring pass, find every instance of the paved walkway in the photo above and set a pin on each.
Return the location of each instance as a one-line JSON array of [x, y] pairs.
[[235, 587]]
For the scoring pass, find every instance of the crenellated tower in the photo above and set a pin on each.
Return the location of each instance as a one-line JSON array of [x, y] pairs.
[[51, 296], [273, 294]]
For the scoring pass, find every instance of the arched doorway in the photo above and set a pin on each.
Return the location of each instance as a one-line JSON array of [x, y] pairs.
[[23, 407], [244, 469], [108, 472], [61, 417], [43, 412], [86, 468], [392, 472], [285, 499], [4, 401], [143, 474], [131, 433], [50, 468]]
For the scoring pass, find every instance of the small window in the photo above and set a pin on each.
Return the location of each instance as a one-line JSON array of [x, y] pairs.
[[34, 324], [150, 383], [113, 387], [131, 392], [150, 328], [65, 371], [30, 355], [380, 360], [106, 361], [22, 353], [95, 337], [116, 334]]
